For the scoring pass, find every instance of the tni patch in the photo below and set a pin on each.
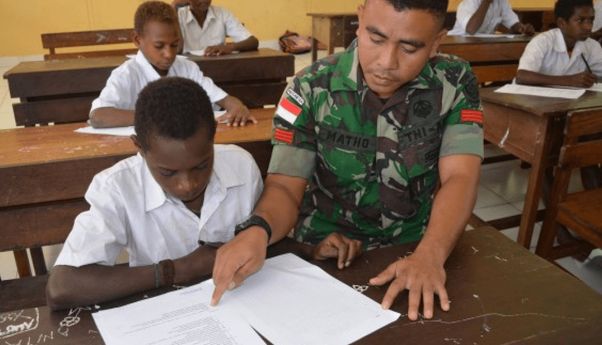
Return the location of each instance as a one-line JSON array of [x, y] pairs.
[[467, 115], [284, 135]]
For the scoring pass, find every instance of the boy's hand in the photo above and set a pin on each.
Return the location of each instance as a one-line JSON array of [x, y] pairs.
[[340, 247], [421, 277], [584, 79], [222, 49], [525, 29], [238, 259], [236, 112]]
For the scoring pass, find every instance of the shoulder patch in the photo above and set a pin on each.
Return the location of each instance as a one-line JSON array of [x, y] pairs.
[[467, 115], [295, 96], [288, 110], [284, 136]]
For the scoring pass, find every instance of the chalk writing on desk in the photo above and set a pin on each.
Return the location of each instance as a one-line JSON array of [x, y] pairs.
[[70, 320], [18, 322]]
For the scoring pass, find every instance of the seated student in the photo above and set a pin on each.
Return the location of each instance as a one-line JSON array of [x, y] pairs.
[[565, 55], [483, 17], [180, 191], [206, 27], [597, 27], [157, 38]]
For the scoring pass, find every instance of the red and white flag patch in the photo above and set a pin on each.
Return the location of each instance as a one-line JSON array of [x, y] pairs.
[[288, 110], [284, 135], [467, 115]]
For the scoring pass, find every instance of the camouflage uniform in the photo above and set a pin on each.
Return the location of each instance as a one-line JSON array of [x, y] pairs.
[[372, 167]]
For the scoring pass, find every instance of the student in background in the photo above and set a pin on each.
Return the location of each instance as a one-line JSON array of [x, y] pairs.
[[597, 27], [161, 205], [206, 27], [564, 55], [157, 38], [483, 17]]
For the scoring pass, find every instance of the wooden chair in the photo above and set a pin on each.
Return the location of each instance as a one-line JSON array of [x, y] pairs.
[[52, 41], [580, 212]]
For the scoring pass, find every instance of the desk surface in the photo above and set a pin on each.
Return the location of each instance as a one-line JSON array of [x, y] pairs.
[[47, 144], [500, 292], [542, 106]]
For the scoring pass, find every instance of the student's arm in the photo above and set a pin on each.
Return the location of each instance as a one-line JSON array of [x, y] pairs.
[[476, 20], [524, 29], [245, 254], [422, 273], [111, 117], [237, 114], [70, 286], [583, 80], [251, 43]]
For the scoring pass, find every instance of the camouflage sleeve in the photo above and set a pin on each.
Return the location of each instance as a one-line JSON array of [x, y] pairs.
[[463, 133], [293, 133]]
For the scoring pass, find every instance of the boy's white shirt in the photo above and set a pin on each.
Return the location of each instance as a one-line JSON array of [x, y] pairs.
[[129, 210], [127, 80], [219, 24], [598, 19], [547, 54], [499, 12]]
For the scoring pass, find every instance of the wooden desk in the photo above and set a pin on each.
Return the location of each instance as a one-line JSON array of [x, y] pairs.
[[62, 90], [333, 30], [500, 292], [45, 171], [491, 59], [530, 128]]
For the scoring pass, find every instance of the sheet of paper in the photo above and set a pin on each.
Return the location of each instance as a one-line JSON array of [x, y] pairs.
[[541, 91], [491, 36], [180, 317], [290, 301], [127, 131], [200, 52]]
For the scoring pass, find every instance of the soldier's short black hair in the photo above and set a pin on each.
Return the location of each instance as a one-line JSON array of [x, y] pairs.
[[154, 11], [437, 7], [566, 8], [174, 108]]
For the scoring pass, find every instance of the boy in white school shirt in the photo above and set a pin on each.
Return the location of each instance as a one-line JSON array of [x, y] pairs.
[[168, 206], [483, 17], [206, 27], [156, 34], [565, 55], [597, 27]]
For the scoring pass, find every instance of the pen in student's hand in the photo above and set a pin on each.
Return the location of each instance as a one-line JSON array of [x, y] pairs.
[[586, 64]]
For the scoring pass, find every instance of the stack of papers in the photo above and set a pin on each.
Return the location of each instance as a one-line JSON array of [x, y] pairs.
[[541, 91], [289, 302]]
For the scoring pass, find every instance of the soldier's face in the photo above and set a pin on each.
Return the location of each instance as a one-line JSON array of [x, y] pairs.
[[394, 46]]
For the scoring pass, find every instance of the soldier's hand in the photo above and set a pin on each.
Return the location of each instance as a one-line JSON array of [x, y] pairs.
[[339, 247], [238, 259], [421, 277]]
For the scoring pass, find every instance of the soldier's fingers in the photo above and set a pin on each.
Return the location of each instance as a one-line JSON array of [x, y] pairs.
[[394, 289], [342, 249], [414, 301], [427, 302], [385, 276], [355, 249], [443, 298]]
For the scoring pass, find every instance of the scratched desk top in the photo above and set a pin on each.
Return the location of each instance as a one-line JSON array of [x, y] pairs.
[[500, 292]]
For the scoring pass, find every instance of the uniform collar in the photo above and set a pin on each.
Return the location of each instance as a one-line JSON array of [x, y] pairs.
[[191, 18], [148, 69], [222, 178], [347, 73], [560, 43]]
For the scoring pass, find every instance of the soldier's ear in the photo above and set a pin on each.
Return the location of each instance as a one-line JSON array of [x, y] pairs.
[[437, 42]]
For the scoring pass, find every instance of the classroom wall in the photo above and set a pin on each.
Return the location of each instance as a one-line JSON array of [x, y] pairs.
[[22, 22]]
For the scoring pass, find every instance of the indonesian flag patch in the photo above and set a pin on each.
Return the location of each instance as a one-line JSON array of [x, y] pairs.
[[475, 116], [284, 135], [288, 110]]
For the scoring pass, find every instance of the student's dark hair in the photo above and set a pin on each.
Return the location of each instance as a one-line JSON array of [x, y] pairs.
[[174, 108], [566, 8], [437, 7], [154, 11]]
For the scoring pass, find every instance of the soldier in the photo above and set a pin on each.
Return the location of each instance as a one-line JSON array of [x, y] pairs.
[[373, 133]]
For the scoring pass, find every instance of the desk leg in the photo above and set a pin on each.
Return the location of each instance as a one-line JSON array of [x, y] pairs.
[[536, 178], [314, 49], [22, 262]]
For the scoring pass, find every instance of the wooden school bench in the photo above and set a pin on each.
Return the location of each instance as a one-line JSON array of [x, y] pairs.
[[94, 38], [501, 294], [45, 171], [61, 91], [530, 128]]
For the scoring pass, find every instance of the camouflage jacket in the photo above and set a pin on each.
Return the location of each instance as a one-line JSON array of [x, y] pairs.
[[372, 168]]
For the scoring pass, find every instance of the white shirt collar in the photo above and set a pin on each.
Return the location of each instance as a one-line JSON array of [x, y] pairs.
[[221, 179], [191, 18], [560, 44], [148, 69]]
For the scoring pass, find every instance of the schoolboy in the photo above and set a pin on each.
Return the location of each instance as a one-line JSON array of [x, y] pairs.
[[181, 191], [484, 16], [564, 55], [157, 37], [205, 27]]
